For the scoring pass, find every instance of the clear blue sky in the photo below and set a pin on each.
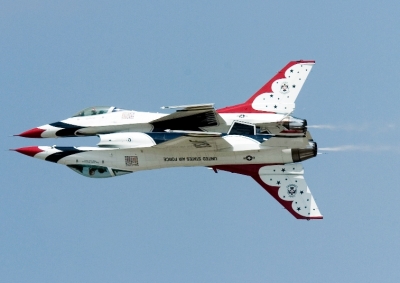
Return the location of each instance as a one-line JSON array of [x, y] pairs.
[[190, 224]]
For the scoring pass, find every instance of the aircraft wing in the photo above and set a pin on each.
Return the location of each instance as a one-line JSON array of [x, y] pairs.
[[285, 183], [188, 117], [196, 140]]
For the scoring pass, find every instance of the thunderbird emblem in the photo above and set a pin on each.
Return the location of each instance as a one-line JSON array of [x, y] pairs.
[[292, 190], [284, 88]]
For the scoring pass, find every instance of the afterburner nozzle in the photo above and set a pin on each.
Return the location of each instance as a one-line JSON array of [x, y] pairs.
[[293, 123], [301, 154]]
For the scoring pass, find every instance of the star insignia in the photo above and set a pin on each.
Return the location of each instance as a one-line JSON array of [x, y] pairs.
[[278, 183], [291, 70], [298, 209], [271, 95], [301, 192], [249, 157], [283, 170], [275, 106]]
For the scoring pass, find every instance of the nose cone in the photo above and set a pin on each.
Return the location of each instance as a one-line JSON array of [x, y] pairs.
[[32, 133], [29, 150]]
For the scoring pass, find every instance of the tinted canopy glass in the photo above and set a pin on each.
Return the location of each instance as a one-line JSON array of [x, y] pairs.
[[95, 110], [94, 171]]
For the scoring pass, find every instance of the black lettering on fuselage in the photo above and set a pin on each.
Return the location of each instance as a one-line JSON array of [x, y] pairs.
[[193, 158], [213, 158]]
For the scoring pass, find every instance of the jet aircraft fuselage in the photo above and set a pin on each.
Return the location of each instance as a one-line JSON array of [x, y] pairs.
[[270, 109], [272, 161], [258, 138]]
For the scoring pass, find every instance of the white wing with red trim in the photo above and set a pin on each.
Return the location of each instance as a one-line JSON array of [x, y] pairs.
[[286, 183]]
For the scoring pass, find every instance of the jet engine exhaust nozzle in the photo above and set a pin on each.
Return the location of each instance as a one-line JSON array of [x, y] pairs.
[[293, 123], [301, 154]]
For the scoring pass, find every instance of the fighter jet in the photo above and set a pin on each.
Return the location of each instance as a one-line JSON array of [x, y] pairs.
[[269, 109], [271, 160]]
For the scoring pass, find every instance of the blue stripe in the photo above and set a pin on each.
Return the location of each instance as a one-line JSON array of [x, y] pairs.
[[68, 129], [65, 151]]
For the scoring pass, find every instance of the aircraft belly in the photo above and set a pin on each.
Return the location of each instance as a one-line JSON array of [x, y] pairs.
[[145, 159], [153, 158]]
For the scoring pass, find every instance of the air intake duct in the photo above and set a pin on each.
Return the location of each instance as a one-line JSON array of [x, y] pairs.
[[301, 154]]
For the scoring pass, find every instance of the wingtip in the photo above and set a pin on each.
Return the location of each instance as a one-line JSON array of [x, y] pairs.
[[306, 61], [315, 218]]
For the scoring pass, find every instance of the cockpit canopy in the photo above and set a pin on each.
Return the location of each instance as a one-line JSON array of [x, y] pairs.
[[97, 110], [94, 171]]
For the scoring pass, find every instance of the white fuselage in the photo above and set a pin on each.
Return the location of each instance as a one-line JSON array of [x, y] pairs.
[[153, 158], [135, 121]]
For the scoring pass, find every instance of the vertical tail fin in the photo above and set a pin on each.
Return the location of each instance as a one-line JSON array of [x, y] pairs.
[[278, 95]]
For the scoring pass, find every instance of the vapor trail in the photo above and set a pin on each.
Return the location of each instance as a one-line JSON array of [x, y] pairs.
[[356, 127], [328, 127], [368, 148]]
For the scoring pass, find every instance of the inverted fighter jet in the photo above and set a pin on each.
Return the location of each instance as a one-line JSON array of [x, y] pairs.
[[269, 109], [271, 160]]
